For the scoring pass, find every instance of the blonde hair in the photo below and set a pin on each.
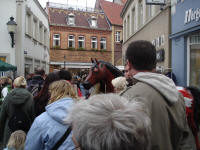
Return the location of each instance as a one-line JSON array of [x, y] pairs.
[[119, 83], [17, 140], [20, 82], [60, 89]]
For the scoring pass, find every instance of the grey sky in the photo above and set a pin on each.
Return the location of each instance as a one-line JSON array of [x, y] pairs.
[[82, 3]]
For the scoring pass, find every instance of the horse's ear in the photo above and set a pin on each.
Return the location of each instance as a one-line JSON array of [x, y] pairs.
[[96, 61], [92, 60]]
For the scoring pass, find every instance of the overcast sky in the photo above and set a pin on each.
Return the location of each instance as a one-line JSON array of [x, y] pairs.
[[82, 3]]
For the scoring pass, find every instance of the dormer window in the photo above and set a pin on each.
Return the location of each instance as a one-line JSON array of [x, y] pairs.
[[71, 20], [93, 22]]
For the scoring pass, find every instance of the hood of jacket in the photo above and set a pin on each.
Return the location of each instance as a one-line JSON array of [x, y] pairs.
[[18, 96], [160, 82], [58, 110]]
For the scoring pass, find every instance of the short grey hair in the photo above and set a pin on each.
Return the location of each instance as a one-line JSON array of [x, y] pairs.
[[110, 122]]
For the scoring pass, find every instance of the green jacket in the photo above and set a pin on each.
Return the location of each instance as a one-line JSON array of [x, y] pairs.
[[18, 96], [166, 109]]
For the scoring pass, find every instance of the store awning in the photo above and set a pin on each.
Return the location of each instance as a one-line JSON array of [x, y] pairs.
[[7, 67]]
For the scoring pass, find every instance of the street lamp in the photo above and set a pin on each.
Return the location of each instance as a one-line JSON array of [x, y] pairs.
[[11, 24], [64, 61]]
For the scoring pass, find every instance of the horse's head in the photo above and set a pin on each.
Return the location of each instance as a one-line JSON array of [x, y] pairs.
[[96, 74]]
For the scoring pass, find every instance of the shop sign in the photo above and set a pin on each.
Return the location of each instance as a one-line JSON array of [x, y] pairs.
[[155, 2], [160, 55], [192, 15]]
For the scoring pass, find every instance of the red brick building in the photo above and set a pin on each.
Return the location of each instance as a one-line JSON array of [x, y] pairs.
[[76, 36], [112, 11]]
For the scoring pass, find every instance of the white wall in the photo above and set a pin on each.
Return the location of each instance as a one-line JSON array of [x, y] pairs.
[[7, 9], [34, 49]]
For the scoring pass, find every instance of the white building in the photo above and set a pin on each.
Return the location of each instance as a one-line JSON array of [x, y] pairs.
[[31, 49]]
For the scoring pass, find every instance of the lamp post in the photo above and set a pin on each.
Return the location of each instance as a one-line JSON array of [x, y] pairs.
[[11, 25], [64, 61]]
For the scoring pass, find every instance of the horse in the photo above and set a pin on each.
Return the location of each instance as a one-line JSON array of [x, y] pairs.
[[102, 72]]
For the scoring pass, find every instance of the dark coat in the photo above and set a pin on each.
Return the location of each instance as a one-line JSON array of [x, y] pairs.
[[18, 96]]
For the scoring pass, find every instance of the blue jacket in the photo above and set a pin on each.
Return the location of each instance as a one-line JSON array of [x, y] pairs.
[[49, 127]]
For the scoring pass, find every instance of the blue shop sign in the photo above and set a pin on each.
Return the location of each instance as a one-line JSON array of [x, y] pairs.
[[185, 17]]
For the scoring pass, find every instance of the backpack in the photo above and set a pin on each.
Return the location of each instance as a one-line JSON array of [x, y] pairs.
[[35, 89], [19, 120]]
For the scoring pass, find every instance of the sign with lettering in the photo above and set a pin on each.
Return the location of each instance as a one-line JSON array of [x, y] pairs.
[[155, 2], [192, 15]]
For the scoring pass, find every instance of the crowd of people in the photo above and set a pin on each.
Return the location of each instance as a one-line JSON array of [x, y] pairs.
[[49, 112]]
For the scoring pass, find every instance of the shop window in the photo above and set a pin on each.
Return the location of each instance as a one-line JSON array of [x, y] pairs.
[[195, 61], [71, 43], [94, 43], [3, 58], [103, 43]]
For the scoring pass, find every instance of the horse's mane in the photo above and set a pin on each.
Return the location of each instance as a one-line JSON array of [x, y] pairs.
[[114, 70]]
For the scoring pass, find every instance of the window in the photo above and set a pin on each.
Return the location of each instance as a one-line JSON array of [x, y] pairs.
[[133, 21], [56, 40], [81, 42], [103, 43], [71, 20], [28, 24], [149, 12], [140, 13], [128, 26], [41, 34], [124, 27], [34, 28], [94, 43], [71, 41], [93, 22], [45, 37], [117, 36]]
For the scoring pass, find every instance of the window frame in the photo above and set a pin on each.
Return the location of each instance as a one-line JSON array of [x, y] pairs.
[[73, 41], [96, 42], [55, 38], [103, 42], [81, 41], [117, 36]]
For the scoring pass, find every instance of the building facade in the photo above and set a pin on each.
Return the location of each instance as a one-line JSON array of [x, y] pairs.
[[76, 36], [31, 49], [186, 41], [151, 23], [112, 11]]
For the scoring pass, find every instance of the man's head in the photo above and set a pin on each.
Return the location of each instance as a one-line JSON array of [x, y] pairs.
[[110, 122], [40, 72], [141, 56]]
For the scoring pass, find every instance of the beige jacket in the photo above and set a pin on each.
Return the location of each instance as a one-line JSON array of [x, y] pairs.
[[166, 107]]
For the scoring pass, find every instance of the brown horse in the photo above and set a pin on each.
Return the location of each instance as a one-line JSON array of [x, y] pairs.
[[103, 73]]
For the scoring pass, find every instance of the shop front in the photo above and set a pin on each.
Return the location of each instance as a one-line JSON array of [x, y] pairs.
[[186, 42]]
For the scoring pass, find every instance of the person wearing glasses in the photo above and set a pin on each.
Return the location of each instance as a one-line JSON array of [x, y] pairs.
[[110, 122]]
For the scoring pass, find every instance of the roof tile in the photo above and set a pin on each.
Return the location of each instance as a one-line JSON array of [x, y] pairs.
[[112, 11], [59, 16]]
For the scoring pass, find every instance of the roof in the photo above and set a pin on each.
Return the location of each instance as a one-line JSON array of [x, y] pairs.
[[58, 16], [112, 11]]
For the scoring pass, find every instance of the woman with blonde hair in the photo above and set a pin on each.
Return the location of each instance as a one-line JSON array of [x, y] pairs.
[[48, 128], [16, 140], [18, 99]]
